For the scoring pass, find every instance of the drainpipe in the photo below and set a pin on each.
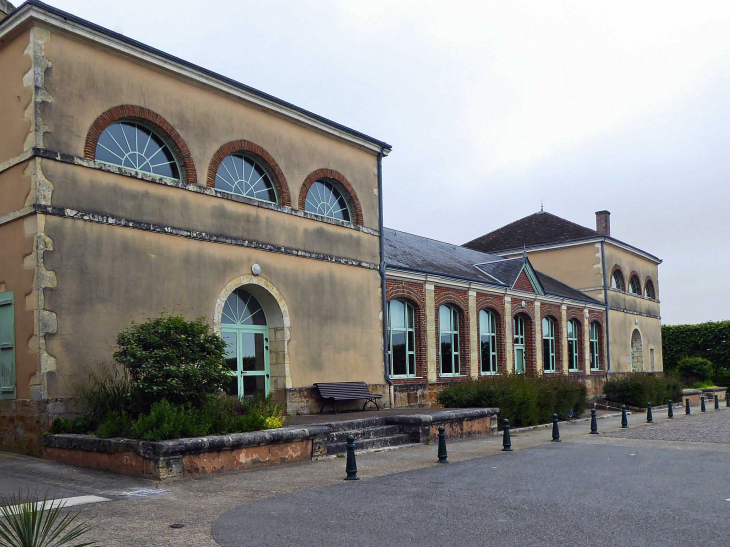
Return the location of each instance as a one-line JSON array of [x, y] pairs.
[[605, 299], [384, 302]]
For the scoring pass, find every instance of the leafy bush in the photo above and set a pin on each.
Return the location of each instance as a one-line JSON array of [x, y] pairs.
[[695, 370], [78, 425], [709, 340], [638, 389], [174, 359], [522, 399], [108, 390], [219, 415]]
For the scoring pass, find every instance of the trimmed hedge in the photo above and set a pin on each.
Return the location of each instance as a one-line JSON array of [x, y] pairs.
[[709, 340], [523, 399], [639, 388], [693, 370]]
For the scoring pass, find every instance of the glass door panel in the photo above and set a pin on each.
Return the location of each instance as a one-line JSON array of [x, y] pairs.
[[254, 355], [519, 360]]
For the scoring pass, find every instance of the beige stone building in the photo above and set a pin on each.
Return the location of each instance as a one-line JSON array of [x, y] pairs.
[[623, 277], [133, 182]]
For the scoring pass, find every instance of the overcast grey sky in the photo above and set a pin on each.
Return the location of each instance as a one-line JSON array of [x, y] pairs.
[[492, 106]]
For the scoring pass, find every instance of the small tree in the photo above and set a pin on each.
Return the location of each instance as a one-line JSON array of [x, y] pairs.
[[695, 369], [172, 358]]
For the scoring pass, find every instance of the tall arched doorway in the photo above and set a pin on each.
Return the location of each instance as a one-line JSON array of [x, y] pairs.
[[246, 332], [637, 352]]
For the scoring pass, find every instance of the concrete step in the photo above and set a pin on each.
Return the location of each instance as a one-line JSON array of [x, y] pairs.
[[367, 433], [356, 425], [367, 444]]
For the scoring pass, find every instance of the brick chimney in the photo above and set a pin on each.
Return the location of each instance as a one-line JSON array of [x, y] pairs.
[[603, 222]]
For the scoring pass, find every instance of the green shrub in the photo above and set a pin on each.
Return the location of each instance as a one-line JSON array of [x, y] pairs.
[[78, 425], [695, 370], [219, 415], [107, 391], [171, 358], [522, 399], [638, 389]]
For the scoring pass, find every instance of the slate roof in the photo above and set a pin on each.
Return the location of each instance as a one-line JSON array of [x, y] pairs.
[[537, 229], [423, 255]]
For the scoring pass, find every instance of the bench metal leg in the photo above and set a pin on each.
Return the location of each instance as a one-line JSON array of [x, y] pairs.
[[330, 404], [374, 401]]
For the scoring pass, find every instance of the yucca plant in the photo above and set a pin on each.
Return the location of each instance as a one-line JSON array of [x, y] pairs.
[[34, 523]]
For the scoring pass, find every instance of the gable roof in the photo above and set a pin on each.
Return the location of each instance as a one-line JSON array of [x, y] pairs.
[[38, 9], [537, 229], [418, 254]]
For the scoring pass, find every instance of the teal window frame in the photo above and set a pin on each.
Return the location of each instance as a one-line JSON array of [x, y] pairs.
[[518, 335], [7, 346], [595, 347], [488, 342], [409, 334], [548, 344], [450, 330], [573, 345]]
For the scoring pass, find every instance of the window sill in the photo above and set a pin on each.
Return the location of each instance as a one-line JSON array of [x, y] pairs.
[[550, 371], [406, 377]]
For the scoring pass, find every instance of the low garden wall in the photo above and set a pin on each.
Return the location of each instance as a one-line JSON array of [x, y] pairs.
[[218, 454], [709, 393]]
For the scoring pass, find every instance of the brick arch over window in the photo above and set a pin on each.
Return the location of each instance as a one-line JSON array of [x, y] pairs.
[[628, 282], [352, 202], [498, 311], [555, 316], [156, 122], [269, 164], [413, 293], [528, 315], [615, 268]]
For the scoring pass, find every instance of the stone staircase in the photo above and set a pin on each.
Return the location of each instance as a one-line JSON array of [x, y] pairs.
[[369, 433]]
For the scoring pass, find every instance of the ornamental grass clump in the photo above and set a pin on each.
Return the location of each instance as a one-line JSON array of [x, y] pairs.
[[38, 523], [523, 399]]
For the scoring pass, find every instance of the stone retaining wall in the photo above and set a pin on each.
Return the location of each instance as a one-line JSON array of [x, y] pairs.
[[185, 457]]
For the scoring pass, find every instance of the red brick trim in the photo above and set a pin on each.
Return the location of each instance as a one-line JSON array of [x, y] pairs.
[[553, 312], [577, 315], [460, 300], [599, 317], [494, 304], [352, 202], [260, 155], [528, 314], [161, 126], [523, 283], [414, 294]]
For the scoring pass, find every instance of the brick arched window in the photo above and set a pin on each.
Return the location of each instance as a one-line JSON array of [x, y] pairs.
[[136, 138], [244, 168], [327, 193]]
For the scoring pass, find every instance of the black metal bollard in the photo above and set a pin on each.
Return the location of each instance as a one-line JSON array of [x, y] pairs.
[[556, 430], [624, 418], [649, 415], [670, 410], [686, 407], [442, 445], [594, 423], [717, 403], [351, 466], [506, 441], [703, 408]]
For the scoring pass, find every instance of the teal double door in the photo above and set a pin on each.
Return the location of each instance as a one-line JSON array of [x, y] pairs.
[[247, 358]]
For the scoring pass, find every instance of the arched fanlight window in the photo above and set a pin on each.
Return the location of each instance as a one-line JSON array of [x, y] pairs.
[[635, 285], [649, 290], [617, 281], [326, 199], [449, 337], [595, 351], [548, 344], [242, 175], [488, 341], [242, 308], [401, 339], [573, 354], [135, 146]]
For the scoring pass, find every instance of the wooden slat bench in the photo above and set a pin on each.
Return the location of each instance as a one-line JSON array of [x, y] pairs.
[[333, 392]]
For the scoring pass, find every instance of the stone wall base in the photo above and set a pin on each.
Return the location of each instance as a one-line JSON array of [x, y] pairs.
[[22, 422]]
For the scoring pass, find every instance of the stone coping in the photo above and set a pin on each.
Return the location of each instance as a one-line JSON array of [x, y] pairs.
[[691, 392], [445, 416], [713, 389], [216, 443], [177, 447]]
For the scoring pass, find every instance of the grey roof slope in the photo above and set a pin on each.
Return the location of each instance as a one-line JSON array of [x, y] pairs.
[[155, 51], [421, 254], [536, 229]]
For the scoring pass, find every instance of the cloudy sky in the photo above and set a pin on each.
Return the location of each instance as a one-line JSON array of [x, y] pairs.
[[493, 106]]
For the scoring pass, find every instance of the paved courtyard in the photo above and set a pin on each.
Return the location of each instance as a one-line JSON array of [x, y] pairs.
[[711, 427], [652, 484]]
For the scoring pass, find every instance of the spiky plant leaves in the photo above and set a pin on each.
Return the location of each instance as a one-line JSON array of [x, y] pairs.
[[33, 523]]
